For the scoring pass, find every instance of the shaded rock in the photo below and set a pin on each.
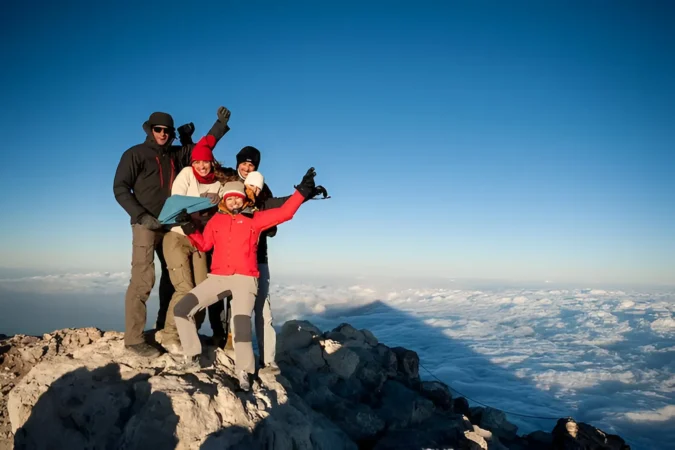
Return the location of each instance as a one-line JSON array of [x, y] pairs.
[[370, 338], [358, 421], [461, 406], [539, 439], [296, 334], [440, 431], [476, 414], [408, 366], [308, 359], [402, 407], [495, 421], [438, 393], [387, 360], [571, 435], [342, 360], [349, 332]]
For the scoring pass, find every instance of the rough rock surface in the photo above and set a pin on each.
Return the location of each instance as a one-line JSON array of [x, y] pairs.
[[337, 390]]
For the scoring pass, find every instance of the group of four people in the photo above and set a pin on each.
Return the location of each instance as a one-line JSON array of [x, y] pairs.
[[205, 257]]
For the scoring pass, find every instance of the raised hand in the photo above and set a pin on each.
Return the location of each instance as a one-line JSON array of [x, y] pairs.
[[223, 114]]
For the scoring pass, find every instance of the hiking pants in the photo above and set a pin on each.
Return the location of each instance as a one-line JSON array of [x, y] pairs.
[[243, 290], [187, 268], [145, 243], [264, 328]]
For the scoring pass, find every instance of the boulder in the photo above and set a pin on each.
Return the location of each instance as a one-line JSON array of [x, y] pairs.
[[408, 366], [296, 334], [370, 338], [438, 393], [571, 435], [98, 395], [309, 359], [387, 360], [349, 332], [495, 421], [401, 407], [539, 439], [461, 406]]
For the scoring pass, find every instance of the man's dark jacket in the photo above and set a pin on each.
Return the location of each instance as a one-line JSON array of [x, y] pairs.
[[146, 172]]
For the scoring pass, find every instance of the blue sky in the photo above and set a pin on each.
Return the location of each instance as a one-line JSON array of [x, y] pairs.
[[521, 141]]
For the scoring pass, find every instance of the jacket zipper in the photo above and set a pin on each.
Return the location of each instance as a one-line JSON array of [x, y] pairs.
[[161, 176]]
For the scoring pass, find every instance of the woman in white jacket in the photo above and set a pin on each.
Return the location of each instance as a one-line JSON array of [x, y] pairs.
[[187, 266]]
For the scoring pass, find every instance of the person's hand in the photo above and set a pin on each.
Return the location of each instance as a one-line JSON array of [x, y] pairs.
[[320, 190], [185, 221], [185, 133], [183, 217], [307, 185], [215, 199], [223, 114], [149, 222]]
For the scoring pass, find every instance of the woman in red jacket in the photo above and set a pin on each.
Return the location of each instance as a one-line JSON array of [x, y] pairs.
[[234, 269]]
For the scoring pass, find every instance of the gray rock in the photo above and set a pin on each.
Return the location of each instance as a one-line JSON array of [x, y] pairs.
[[571, 435], [495, 421], [370, 338], [402, 407], [309, 359], [296, 334], [437, 392], [408, 366], [387, 360], [350, 332], [540, 439], [343, 361], [461, 406]]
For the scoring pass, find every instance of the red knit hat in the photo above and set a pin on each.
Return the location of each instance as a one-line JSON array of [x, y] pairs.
[[202, 151]]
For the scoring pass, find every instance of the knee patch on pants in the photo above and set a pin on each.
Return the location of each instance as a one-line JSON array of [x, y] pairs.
[[185, 305], [242, 328]]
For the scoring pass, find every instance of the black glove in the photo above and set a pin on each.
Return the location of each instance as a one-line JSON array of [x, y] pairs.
[[223, 115], [211, 196], [307, 185], [185, 133], [320, 190], [185, 221], [149, 222]]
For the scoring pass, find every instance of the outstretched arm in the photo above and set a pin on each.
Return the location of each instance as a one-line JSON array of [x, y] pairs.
[[272, 217]]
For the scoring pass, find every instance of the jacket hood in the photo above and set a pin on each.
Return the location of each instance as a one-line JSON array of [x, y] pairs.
[[150, 139]]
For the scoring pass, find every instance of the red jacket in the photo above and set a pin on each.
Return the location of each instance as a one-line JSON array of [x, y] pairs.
[[235, 238]]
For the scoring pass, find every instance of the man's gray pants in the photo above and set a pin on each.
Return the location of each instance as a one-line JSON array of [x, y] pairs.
[[264, 327], [243, 290]]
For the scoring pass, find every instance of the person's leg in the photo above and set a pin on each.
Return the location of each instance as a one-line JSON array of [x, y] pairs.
[[264, 329], [140, 285], [200, 269], [177, 252], [165, 286], [244, 290], [215, 288]]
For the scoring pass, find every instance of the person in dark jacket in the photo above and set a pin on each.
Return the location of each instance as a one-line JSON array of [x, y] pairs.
[[142, 184]]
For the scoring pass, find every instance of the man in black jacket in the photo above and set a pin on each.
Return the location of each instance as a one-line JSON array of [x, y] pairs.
[[142, 184]]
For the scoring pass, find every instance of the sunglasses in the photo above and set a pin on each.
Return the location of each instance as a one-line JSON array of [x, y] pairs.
[[160, 129]]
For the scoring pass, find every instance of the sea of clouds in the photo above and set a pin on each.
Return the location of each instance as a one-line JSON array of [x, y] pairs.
[[602, 356]]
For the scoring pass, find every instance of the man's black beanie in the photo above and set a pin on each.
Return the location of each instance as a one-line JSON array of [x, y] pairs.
[[250, 154], [162, 119]]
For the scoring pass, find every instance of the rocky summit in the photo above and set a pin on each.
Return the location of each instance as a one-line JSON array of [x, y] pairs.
[[342, 389]]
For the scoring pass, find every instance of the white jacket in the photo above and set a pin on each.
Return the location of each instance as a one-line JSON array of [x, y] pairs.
[[186, 184]]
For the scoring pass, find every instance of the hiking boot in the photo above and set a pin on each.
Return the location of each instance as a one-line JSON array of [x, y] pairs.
[[143, 349], [189, 363], [244, 382], [172, 344], [218, 341], [272, 368]]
